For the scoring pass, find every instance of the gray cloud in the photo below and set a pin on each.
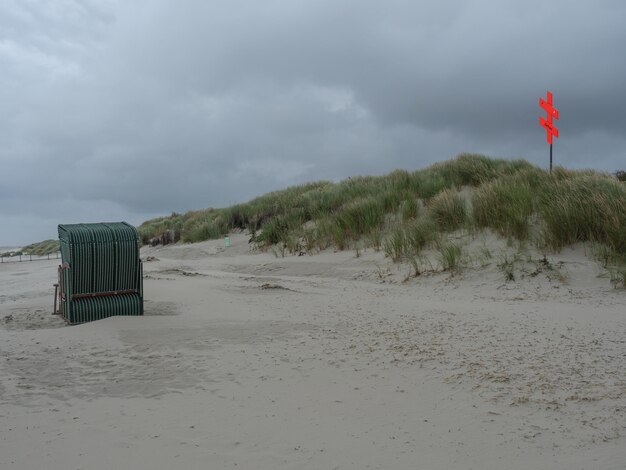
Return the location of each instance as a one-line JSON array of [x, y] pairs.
[[126, 110]]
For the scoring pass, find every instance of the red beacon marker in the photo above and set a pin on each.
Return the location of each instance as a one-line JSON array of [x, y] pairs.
[[553, 113]]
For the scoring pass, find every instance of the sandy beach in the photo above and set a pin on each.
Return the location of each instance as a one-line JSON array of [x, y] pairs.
[[249, 360]]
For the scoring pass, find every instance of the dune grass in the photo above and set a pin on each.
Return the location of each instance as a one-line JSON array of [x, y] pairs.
[[450, 256], [504, 205], [587, 207], [405, 212], [448, 210], [43, 248], [46, 247]]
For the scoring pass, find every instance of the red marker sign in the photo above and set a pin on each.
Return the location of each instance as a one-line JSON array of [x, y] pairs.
[[553, 113], [551, 129]]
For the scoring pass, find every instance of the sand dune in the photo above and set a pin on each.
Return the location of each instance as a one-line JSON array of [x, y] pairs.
[[246, 360]]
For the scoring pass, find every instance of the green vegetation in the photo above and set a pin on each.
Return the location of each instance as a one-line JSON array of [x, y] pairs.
[[448, 210], [507, 265], [618, 277], [584, 207], [405, 212], [43, 248], [405, 241], [504, 205], [450, 256]]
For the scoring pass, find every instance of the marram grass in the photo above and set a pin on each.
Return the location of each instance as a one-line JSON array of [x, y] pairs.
[[448, 210], [504, 205], [512, 197], [584, 208]]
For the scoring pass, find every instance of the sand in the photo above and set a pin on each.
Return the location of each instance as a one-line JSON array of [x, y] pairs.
[[332, 361]]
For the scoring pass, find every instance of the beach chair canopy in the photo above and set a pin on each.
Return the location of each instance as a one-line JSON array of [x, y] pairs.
[[101, 272]]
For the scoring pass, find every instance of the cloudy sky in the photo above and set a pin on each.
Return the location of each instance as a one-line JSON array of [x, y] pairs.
[[125, 110]]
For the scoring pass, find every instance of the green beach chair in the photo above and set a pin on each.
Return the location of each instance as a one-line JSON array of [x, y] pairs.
[[101, 273]]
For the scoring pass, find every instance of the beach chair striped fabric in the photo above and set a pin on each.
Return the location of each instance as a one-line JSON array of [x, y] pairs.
[[101, 272]]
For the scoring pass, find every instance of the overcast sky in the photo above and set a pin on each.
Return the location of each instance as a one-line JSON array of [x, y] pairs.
[[125, 110]]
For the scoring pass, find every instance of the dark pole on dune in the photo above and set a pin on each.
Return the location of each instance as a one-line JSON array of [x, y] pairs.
[[550, 158]]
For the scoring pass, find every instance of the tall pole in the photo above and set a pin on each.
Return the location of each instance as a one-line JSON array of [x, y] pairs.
[[550, 157]]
